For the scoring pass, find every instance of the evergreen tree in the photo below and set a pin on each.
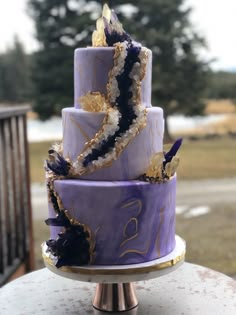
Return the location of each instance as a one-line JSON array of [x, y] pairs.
[[15, 86], [62, 26], [179, 76]]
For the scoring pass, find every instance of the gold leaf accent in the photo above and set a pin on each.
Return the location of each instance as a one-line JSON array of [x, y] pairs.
[[94, 102], [106, 12], [156, 165], [171, 167]]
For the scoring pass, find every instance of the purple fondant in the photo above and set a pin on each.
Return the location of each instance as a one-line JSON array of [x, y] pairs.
[[91, 73], [132, 221], [80, 126]]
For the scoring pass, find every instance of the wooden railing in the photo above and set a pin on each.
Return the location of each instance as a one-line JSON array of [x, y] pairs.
[[16, 237]]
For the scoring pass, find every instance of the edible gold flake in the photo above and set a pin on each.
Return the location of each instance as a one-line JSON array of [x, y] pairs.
[[94, 102], [156, 164], [172, 166]]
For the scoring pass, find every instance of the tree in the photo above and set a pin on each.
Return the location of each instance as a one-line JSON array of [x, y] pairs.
[[222, 85], [179, 75], [62, 26], [15, 86]]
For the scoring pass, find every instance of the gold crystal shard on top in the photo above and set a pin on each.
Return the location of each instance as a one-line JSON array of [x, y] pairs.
[[98, 37], [172, 166], [156, 164], [109, 30]]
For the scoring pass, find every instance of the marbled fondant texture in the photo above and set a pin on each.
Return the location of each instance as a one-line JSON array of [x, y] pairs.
[[91, 72], [132, 221], [80, 126]]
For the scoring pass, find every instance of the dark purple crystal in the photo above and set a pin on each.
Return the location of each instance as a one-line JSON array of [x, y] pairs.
[[57, 164], [113, 31], [173, 150], [72, 246]]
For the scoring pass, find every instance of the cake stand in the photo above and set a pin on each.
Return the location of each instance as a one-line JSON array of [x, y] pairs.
[[115, 291]]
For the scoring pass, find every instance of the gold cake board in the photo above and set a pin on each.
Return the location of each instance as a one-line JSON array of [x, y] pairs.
[[115, 290]]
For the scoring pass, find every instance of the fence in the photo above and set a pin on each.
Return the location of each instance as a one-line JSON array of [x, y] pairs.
[[16, 237]]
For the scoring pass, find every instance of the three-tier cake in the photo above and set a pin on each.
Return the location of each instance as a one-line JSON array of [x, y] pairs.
[[111, 187]]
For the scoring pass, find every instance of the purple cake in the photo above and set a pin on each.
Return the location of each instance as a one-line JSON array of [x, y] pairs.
[[111, 188]]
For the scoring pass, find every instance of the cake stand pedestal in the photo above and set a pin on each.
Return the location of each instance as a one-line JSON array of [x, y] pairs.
[[115, 290]]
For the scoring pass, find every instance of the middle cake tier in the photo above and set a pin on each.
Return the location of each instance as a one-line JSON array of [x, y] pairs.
[[80, 126]]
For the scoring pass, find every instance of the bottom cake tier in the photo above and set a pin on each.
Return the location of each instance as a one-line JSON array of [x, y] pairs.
[[131, 221]]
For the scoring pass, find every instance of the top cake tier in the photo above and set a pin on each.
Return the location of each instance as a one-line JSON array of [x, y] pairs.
[[91, 72]]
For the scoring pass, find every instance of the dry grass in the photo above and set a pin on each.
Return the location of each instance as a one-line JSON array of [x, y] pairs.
[[222, 127], [225, 126], [220, 107], [204, 159], [38, 153]]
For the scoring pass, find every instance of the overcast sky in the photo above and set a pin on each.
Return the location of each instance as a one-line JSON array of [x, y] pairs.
[[215, 19]]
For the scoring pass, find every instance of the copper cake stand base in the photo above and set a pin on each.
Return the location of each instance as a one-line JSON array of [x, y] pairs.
[[115, 297], [115, 291]]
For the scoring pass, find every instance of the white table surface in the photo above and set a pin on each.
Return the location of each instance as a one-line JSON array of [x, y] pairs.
[[189, 290]]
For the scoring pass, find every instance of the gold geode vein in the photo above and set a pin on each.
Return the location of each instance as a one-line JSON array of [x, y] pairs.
[[139, 123]]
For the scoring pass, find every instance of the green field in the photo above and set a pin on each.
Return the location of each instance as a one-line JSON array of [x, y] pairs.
[[200, 159]]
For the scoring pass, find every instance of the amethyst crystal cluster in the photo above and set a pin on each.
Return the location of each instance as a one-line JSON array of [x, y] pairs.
[[75, 235]]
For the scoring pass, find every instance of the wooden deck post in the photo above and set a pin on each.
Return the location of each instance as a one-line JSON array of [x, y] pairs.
[[16, 228]]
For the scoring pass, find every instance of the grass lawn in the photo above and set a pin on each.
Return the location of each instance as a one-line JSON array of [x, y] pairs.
[[200, 159]]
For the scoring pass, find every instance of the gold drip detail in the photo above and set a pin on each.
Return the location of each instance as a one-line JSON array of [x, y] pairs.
[[127, 205], [133, 202], [79, 127], [135, 251]]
